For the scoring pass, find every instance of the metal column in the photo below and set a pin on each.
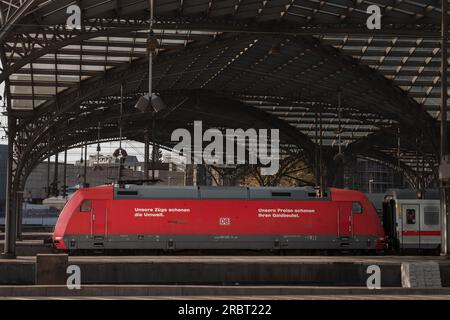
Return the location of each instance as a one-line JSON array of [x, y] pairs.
[[153, 147], [85, 166], [64, 188], [316, 147], [9, 250], [19, 210], [55, 191], [445, 240], [146, 154], [48, 177]]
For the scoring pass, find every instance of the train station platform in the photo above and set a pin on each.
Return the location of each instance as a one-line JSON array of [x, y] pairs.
[[106, 292], [30, 235], [335, 271], [29, 246]]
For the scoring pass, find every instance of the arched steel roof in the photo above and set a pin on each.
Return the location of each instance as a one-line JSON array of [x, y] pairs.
[[287, 58]]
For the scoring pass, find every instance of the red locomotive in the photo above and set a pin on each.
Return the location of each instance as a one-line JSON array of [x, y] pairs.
[[165, 218]]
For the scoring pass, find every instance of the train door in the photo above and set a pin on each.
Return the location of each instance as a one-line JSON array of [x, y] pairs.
[[430, 228], [410, 226], [345, 220], [98, 217], [390, 223]]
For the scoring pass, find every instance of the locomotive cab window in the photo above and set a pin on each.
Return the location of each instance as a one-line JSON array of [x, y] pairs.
[[410, 216], [86, 206], [357, 208]]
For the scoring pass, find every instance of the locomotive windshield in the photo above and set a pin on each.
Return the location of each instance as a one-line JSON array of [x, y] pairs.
[[86, 206]]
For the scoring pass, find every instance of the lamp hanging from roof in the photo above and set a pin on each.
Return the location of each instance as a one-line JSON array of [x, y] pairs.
[[150, 101], [120, 153]]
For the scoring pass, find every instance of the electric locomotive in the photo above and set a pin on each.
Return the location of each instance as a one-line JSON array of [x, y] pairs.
[[177, 218]]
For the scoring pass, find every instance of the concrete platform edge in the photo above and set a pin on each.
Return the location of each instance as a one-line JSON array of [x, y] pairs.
[[161, 290]]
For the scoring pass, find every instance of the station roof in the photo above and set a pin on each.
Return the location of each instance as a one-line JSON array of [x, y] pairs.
[[289, 58]]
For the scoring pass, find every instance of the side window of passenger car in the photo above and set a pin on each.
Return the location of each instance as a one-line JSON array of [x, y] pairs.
[[357, 208], [86, 206], [431, 216], [410, 216]]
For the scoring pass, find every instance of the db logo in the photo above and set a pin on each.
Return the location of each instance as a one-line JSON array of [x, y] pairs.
[[224, 221]]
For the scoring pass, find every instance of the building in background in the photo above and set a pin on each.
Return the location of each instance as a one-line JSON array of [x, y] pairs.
[[101, 160], [36, 187], [99, 171], [371, 176], [360, 174]]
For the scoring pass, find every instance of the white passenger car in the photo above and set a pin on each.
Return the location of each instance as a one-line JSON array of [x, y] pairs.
[[412, 223]]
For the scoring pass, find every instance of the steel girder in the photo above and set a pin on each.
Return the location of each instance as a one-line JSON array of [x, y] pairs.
[[274, 17], [48, 40], [200, 105], [74, 96], [40, 124], [277, 18], [262, 26], [391, 148], [100, 24], [322, 16], [213, 110], [11, 13]]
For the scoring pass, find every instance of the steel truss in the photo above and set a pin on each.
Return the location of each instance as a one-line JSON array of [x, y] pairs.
[[270, 63]]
